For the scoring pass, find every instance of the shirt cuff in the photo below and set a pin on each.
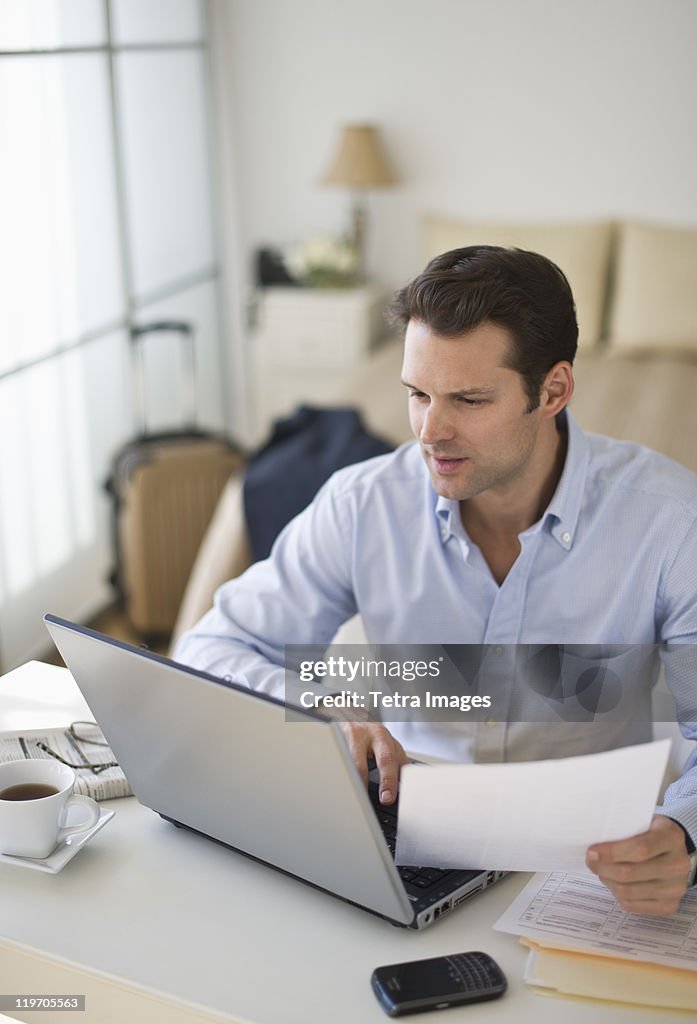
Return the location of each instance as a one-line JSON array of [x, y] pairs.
[[688, 838]]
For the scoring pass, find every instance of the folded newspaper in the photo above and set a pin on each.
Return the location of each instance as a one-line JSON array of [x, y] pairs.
[[106, 784]]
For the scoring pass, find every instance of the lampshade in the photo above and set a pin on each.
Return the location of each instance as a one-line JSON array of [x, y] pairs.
[[360, 161]]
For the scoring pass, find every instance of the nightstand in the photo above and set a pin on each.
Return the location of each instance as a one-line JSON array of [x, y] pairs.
[[307, 341]]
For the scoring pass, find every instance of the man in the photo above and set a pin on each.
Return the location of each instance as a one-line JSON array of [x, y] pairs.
[[506, 525]]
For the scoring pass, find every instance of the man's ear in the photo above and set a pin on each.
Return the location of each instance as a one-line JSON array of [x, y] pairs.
[[557, 388]]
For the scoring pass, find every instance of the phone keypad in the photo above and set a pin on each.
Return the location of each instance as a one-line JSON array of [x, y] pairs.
[[473, 970]]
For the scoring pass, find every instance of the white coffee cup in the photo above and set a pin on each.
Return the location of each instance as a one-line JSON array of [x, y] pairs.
[[34, 827]]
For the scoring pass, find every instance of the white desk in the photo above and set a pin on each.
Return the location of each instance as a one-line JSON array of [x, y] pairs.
[[161, 910]]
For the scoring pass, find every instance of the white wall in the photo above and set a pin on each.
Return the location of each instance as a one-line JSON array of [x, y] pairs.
[[546, 109]]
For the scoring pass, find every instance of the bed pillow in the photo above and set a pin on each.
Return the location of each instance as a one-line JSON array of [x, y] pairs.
[[581, 250], [654, 302]]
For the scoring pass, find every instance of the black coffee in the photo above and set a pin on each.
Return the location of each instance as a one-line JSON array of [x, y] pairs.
[[28, 791]]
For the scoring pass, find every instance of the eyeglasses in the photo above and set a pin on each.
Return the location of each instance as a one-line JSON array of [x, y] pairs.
[[82, 733]]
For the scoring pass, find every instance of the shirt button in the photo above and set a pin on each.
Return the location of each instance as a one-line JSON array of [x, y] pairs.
[[566, 537], [498, 650], [490, 721]]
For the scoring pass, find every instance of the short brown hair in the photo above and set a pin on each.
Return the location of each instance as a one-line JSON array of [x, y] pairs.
[[521, 291]]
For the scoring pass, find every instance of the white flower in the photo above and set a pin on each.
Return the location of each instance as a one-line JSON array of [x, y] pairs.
[[321, 257]]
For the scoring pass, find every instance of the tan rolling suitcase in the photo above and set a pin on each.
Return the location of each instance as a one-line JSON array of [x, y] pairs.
[[164, 488]]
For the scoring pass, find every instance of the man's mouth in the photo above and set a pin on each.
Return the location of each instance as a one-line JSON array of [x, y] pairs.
[[446, 463]]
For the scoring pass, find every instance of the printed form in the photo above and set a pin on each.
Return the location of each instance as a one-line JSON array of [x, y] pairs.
[[578, 912], [530, 815]]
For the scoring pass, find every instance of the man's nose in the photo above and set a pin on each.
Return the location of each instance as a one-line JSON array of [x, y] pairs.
[[436, 426]]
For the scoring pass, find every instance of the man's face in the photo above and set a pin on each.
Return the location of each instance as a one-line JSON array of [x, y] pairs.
[[469, 411]]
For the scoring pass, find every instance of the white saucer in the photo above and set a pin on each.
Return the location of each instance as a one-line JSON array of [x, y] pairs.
[[64, 852]]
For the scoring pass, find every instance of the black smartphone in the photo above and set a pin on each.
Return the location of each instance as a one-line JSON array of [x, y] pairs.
[[439, 982]]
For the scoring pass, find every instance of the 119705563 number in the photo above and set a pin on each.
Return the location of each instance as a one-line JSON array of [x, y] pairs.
[[41, 1002]]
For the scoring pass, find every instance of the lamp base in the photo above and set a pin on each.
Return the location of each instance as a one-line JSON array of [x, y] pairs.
[[359, 221]]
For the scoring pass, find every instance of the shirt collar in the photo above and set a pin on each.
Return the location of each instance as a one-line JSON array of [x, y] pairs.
[[561, 515], [565, 507]]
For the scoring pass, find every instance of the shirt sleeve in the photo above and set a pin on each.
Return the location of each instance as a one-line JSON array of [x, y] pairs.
[[678, 623], [680, 801], [300, 594]]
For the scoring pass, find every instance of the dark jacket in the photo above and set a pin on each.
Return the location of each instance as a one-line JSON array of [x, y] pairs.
[[302, 452]]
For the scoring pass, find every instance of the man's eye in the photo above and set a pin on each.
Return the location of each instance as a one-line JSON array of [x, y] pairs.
[[418, 395], [471, 402]]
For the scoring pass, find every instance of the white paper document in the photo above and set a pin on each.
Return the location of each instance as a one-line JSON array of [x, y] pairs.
[[578, 912], [527, 816]]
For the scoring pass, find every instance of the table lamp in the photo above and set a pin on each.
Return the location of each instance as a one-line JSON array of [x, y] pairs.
[[359, 163]]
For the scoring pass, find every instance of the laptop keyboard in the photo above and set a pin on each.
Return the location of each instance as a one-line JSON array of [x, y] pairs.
[[425, 886], [423, 878]]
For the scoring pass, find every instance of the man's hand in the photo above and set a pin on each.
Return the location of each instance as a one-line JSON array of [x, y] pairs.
[[366, 738], [647, 874]]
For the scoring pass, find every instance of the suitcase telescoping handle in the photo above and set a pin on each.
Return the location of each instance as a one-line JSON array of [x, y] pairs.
[[185, 333]]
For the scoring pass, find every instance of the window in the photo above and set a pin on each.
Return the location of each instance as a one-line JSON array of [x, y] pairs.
[[107, 215]]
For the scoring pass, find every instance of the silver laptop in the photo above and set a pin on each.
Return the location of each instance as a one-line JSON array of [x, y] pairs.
[[241, 768]]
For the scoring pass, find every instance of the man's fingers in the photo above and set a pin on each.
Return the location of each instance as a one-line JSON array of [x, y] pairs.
[[667, 867], [647, 874], [634, 850], [656, 896], [663, 837], [389, 757], [366, 738], [654, 888]]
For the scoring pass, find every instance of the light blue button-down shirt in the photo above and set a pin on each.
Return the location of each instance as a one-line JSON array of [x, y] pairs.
[[612, 561]]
